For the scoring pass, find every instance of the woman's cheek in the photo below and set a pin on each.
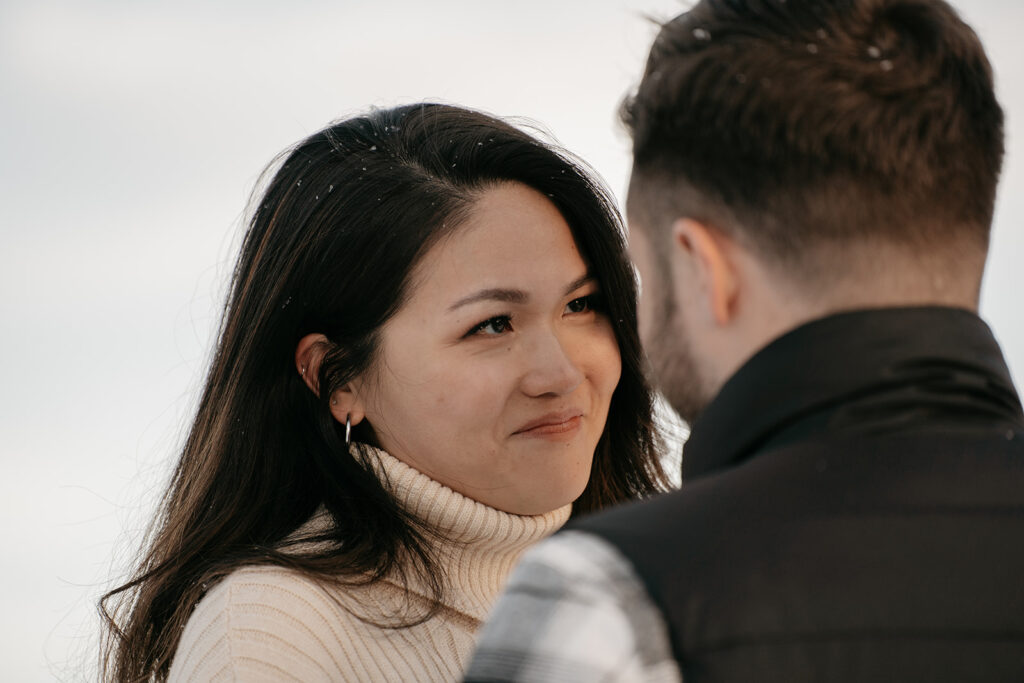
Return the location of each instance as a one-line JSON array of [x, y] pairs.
[[603, 360], [473, 390]]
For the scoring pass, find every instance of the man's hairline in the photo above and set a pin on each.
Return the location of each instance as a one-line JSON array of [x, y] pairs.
[[814, 270]]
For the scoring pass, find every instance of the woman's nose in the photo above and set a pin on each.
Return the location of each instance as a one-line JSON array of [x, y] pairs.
[[551, 370]]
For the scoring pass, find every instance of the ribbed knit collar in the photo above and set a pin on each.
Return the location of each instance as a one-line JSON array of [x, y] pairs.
[[482, 544]]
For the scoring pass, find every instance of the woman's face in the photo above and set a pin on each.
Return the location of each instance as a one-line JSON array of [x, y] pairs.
[[496, 376]]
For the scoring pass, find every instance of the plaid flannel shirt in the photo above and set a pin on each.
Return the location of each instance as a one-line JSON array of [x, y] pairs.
[[574, 610]]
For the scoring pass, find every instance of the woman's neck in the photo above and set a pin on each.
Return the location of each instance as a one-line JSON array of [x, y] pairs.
[[476, 546]]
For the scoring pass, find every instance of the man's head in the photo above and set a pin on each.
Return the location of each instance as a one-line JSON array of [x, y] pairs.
[[798, 157]]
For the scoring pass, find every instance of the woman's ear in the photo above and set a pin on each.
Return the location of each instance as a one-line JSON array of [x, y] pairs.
[[308, 354], [711, 258], [345, 403]]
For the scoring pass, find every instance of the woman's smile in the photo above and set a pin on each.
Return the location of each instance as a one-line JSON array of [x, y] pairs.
[[559, 425]]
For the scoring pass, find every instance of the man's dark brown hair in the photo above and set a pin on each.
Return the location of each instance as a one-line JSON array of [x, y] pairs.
[[800, 125]]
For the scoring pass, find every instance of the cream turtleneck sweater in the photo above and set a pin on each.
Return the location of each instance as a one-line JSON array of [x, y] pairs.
[[270, 623]]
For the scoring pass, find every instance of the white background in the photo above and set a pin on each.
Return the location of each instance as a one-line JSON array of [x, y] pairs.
[[130, 136]]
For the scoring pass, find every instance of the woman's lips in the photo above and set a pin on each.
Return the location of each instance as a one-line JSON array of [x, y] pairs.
[[552, 424]]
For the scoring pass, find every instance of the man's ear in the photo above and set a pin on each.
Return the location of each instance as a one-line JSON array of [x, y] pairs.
[[711, 256], [345, 404]]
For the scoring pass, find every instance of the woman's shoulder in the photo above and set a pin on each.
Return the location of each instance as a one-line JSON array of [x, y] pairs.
[[268, 623], [255, 589]]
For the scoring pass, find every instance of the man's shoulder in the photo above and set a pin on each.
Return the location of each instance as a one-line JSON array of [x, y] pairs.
[[702, 498], [822, 481], [574, 610]]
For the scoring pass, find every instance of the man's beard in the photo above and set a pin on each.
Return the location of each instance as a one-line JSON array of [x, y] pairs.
[[673, 368]]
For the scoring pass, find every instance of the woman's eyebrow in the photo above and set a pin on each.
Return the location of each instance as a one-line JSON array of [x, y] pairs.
[[512, 296], [578, 282]]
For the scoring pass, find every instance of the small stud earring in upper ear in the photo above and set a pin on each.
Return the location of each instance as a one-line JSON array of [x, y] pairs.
[[303, 370]]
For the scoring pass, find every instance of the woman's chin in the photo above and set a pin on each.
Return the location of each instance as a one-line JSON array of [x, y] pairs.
[[546, 492]]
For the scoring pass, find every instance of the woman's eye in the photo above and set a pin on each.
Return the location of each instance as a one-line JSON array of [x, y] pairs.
[[583, 304], [499, 324]]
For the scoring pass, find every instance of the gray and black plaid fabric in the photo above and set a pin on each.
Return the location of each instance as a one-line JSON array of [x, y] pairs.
[[574, 610]]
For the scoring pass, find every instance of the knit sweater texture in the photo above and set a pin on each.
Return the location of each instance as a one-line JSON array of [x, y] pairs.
[[273, 624]]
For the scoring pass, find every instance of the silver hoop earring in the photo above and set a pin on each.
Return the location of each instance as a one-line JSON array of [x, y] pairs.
[[348, 429]]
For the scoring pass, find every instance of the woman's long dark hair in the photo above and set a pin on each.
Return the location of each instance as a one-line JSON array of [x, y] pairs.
[[329, 249]]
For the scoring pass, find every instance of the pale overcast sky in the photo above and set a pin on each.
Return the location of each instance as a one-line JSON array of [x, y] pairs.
[[131, 135]]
